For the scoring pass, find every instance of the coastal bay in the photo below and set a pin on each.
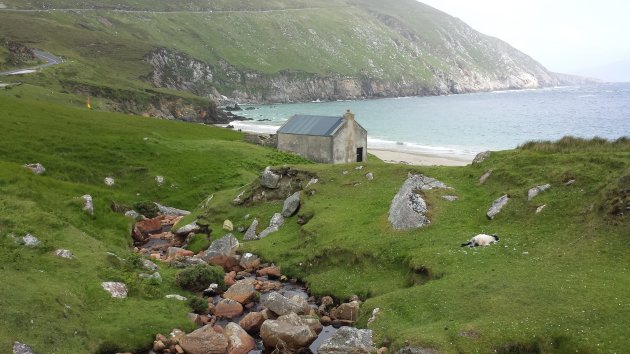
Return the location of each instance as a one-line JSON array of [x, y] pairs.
[[448, 130]]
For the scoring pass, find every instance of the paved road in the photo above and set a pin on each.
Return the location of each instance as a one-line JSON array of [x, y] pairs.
[[49, 58]]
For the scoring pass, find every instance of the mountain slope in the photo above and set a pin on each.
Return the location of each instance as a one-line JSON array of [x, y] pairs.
[[277, 51]]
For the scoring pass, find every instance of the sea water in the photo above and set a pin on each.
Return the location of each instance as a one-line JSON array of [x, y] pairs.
[[469, 123]]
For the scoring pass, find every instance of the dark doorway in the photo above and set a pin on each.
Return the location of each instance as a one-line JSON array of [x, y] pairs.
[[359, 154]]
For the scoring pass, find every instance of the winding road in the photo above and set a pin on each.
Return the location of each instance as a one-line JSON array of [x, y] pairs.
[[49, 58]]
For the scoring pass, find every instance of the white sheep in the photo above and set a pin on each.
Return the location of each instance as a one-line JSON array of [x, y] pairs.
[[481, 240]]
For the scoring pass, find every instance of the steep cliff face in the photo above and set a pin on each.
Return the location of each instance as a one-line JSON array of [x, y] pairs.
[[179, 71], [185, 73], [373, 51]]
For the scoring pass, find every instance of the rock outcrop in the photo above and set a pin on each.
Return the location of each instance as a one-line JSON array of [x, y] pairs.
[[21, 348], [224, 247], [484, 177], [497, 206], [250, 234], [408, 208], [116, 289], [291, 205], [481, 157], [64, 254], [165, 210], [533, 192], [269, 179], [30, 241], [275, 184]]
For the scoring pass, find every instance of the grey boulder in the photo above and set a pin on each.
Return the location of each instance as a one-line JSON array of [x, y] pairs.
[[280, 305], [250, 234], [21, 348], [221, 249], [276, 221], [533, 192], [481, 157], [484, 177], [289, 330], [30, 241], [164, 210], [408, 209], [349, 340], [204, 341], [64, 254], [269, 179], [291, 205], [116, 289], [148, 265], [88, 204], [186, 229], [497, 205]]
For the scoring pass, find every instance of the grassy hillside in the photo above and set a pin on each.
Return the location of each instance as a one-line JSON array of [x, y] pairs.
[[368, 41], [57, 305], [556, 281]]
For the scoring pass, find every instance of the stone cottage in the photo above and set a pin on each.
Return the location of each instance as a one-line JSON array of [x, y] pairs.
[[324, 139]]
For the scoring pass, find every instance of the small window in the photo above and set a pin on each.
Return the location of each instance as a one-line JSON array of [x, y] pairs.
[[359, 154]]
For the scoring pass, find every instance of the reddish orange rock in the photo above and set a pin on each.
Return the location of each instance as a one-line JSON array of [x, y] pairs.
[[229, 278], [272, 272], [227, 308], [142, 229], [239, 342], [252, 322], [242, 291]]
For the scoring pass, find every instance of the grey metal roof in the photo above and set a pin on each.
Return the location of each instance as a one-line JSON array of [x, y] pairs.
[[311, 125]]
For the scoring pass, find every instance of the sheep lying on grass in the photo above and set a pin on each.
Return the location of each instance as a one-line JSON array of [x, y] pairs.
[[481, 240]]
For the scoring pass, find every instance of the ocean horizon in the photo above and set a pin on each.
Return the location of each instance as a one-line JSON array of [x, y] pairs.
[[467, 124]]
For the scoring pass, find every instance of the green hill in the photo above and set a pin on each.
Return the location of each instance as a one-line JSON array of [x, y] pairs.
[[556, 282], [57, 305], [272, 51]]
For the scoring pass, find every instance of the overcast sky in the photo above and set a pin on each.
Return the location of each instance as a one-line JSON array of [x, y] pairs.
[[568, 36]]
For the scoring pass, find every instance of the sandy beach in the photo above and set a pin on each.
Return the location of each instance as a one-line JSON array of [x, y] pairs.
[[420, 159], [400, 156]]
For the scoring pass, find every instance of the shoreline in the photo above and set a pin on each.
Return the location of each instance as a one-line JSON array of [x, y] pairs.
[[416, 158], [396, 155]]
